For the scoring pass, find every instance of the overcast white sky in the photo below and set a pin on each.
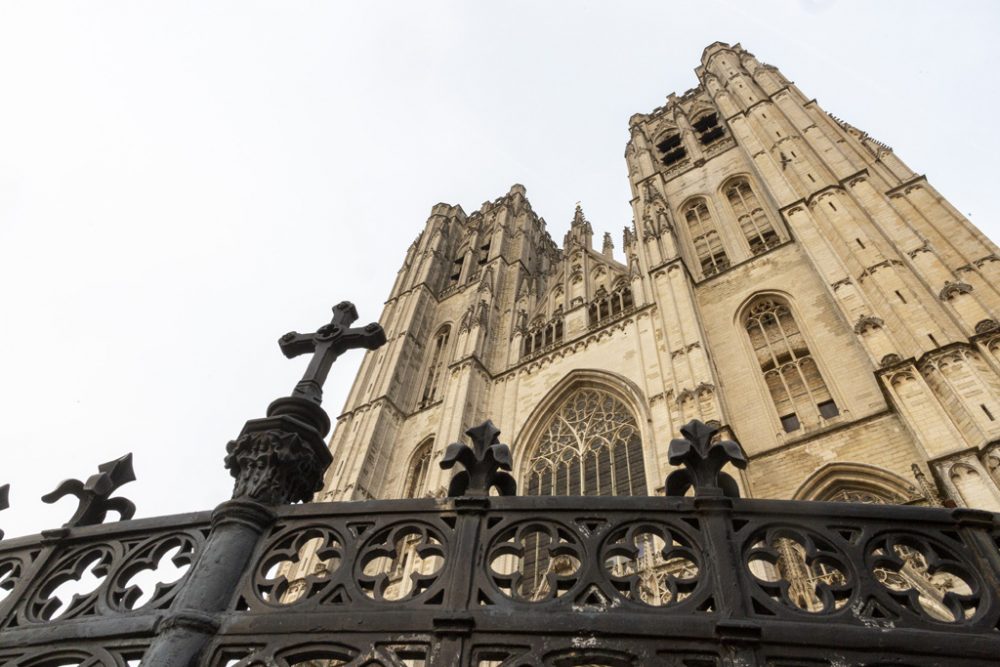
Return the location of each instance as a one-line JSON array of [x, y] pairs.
[[183, 182]]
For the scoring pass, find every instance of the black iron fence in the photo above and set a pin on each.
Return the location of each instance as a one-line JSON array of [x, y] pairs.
[[698, 580], [519, 581]]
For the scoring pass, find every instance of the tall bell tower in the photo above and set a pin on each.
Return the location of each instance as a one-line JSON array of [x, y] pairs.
[[785, 275]]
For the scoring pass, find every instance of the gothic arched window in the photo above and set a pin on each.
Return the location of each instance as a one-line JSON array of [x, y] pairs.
[[416, 477], [753, 221], [790, 372], [590, 447], [434, 367], [705, 238]]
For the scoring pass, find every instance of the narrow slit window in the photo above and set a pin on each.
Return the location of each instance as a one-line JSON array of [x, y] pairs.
[[863, 247], [900, 296], [989, 415]]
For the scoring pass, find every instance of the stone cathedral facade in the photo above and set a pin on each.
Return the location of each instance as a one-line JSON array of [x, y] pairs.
[[785, 275]]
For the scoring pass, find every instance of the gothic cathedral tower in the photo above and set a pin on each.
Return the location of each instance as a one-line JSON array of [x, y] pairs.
[[785, 275]]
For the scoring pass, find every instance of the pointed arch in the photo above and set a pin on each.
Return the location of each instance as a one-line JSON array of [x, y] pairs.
[[790, 371], [755, 223], [437, 360], [855, 482], [704, 235], [418, 470], [587, 437]]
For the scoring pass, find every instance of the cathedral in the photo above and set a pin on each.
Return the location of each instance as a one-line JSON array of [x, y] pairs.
[[785, 276]]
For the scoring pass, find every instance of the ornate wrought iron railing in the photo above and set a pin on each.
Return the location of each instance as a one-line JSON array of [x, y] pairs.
[[522, 581], [697, 580]]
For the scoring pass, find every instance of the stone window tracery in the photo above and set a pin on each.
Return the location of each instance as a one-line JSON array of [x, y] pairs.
[[705, 238], [606, 307], [435, 366], [793, 379], [416, 479], [754, 223], [591, 446]]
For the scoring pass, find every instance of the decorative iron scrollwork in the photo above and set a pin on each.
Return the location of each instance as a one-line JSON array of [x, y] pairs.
[[535, 561], [401, 562], [925, 576], [95, 494], [703, 462], [800, 569], [652, 563], [292, 549], [485, 464], [143, 580]]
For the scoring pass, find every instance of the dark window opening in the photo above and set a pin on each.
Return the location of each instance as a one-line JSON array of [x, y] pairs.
[[863, 247], [831, 205], [715, 263], [790, 423], [828, 409], [989, 415], [484, 253], [900, 296], [814, 180], [933, 339], [708, 129], [456, 270], [673, 151]]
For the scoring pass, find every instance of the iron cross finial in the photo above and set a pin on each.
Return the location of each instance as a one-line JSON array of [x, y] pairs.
[[329, 342]]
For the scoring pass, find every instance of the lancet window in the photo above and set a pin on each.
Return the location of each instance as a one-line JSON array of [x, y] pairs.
[[790, 371], [590, 447], [435, 366], [753, 220], [606, 307], [416, 478], [542, 336], [705, 238]]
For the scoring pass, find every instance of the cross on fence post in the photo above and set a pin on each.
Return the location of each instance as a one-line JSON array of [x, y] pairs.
[[329, 342], [281, 458]]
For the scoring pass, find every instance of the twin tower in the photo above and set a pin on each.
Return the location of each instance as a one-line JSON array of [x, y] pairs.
[[785, 275]]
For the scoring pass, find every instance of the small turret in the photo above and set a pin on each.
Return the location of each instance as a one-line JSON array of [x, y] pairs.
[[580, 231]]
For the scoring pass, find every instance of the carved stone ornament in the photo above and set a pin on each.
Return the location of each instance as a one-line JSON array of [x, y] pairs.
[[867, 323], [952, 289], [703, 462], [276, 466], [95, 494], [485, 464], [986, 326]]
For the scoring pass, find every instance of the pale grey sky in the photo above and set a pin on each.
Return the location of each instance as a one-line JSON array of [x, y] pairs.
[[183, 182]]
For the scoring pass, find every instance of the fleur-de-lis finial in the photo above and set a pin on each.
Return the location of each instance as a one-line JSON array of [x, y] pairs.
[[4, 500], [703, 462], [95, 494], [485, 464]]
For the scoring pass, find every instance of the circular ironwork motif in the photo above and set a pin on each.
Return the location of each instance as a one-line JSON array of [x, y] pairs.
[[153, 572], [70, 588], [925, 576], [400, 562], [534, 561], [651, 563], [800, 569], [298, 564]]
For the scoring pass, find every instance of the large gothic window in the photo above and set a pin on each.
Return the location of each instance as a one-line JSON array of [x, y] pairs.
[[590, 447], [705, 238], [753, 221], [793, 379], [435, 366]]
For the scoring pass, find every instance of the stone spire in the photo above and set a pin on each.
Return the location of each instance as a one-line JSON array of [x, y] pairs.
[[608, 249], [580, 231]]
